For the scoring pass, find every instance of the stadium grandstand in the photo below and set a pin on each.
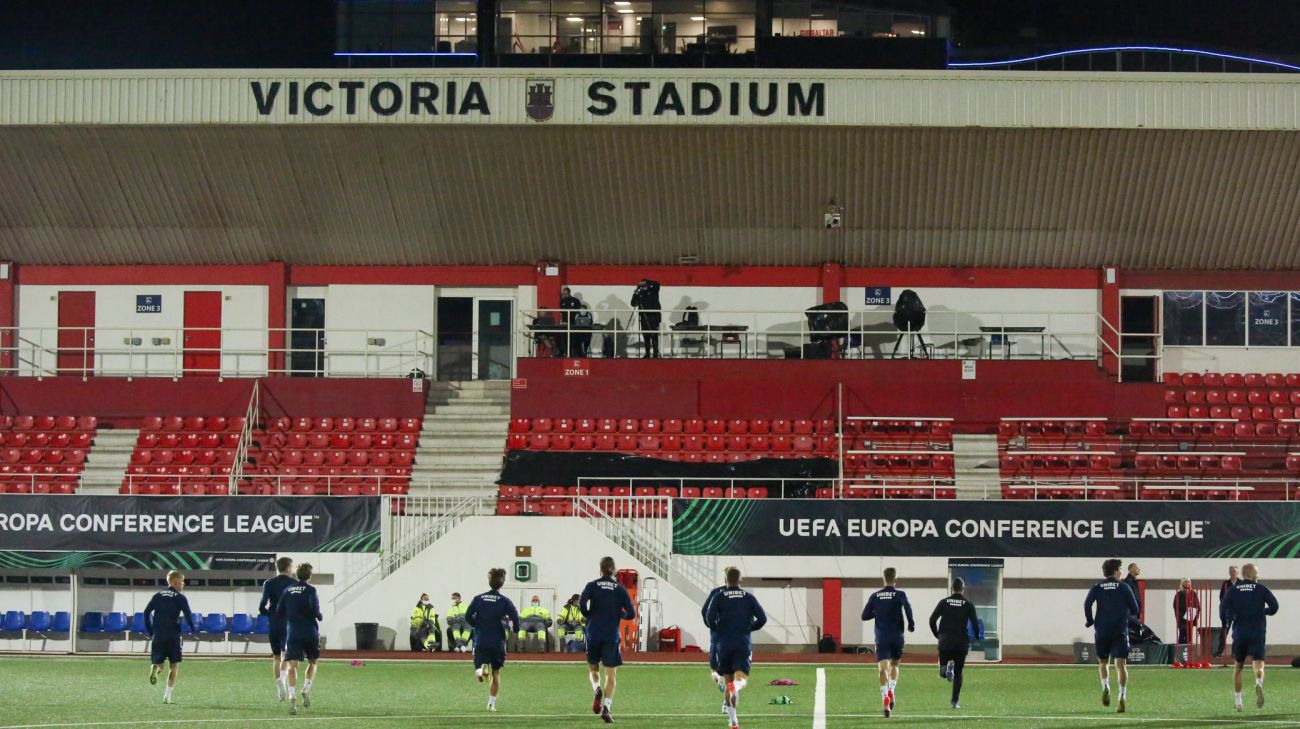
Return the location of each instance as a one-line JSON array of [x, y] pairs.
[[812, 294]]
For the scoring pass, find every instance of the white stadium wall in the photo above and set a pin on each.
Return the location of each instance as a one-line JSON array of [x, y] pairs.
[[116, 318]]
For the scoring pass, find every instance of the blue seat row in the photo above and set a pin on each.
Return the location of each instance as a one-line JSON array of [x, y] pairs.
[[40, 621]]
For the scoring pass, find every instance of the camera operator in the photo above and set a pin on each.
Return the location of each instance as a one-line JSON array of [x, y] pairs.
[[646, 300], [567, 341]]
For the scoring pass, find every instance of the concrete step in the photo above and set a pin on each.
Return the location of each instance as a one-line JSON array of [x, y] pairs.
[[490, 459], [461, 445], [475, 427], [474, 408]]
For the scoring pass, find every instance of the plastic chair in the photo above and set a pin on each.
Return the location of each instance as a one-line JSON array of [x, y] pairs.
[[262, 625], [62, 622], [92, 623], [39, 621], [14, 622], [214, 623], [241, 624], [115, 622], [137, 624]]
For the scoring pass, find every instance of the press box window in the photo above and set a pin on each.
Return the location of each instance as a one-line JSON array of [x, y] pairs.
[[1225, 318], [1268, 319], [1183, 318]]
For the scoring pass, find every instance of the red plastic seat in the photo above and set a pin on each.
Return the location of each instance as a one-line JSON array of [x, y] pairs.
[[737, 426], [539, 441], [559, 442], [1191, 379], [540, 425], [408, 425], [715, 443], [386, 425], [562, 425], [1216, 397], [651, 425], [1232, 379], [625, 442], [629, 425], [693, 426], [648, 443], [1212, 379], [1254, 379]]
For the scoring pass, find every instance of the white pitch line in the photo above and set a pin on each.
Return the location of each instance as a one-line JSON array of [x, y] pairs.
[[1126, 719], [819, 701]]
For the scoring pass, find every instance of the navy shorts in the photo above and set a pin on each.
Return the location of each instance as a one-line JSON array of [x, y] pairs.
[[276, 636], [604, 650], [713, 651], [489, 655], [1248, 646], [166, 649], [889, 648], [1112, 645], [306, 647], [731, 660]]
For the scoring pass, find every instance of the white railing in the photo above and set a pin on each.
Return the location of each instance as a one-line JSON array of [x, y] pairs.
[[777, 487], [865, 335], [224, 352], [251, 416]]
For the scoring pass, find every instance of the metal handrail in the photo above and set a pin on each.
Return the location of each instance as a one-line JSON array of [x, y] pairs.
[[245, 437], [757, 330], [162, 352]]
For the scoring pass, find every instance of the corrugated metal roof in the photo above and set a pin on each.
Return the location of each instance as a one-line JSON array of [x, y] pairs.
[[627, 195]]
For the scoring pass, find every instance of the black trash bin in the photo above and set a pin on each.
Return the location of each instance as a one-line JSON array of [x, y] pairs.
[[367, 635]]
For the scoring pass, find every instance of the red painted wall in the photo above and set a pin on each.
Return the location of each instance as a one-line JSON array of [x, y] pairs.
[[122, 403], [807, 389]]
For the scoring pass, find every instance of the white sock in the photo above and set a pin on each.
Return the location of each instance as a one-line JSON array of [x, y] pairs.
[[1237, 695], [1259, 682], [167, 692], [884, 690], [1123, 691], [740, 684], [595, 685], [731, 712], [306, 686], [1105, 684], [609, 703], [716, 677], [492, 701], [893, 685], [291, 690], [284, 677]]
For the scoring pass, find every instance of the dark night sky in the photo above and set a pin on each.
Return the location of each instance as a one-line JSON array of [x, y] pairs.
[[1269, 27], [288, 33]]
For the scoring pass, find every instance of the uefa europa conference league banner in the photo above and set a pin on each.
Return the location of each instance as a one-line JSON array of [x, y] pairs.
[[188, 523], [1229, 530]]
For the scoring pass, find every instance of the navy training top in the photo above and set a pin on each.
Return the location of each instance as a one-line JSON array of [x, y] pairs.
[[605, 603]]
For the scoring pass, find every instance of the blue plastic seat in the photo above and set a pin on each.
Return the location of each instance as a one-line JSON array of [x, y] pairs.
[[262, 626], [62, 622], [241, 624], [115, 623], [215, 623], [137, 624], [39, 621], [198, 624], [92, 623], [14, 622]]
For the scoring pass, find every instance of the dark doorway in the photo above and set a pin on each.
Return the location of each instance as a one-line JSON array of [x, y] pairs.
[[455, 338], [1138, 338], [307, 338], [494, 339]]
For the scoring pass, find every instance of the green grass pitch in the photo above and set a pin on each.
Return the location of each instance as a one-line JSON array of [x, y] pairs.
[[113, 692]]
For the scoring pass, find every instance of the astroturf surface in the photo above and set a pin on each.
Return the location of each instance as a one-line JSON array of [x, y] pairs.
[[71, 692]]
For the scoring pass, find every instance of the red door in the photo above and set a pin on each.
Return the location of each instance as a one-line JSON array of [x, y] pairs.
[[202, 333], [76, 333]]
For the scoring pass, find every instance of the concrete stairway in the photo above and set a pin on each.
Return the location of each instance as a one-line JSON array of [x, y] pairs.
[[107, 461], [975, 459], [463, 439]]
